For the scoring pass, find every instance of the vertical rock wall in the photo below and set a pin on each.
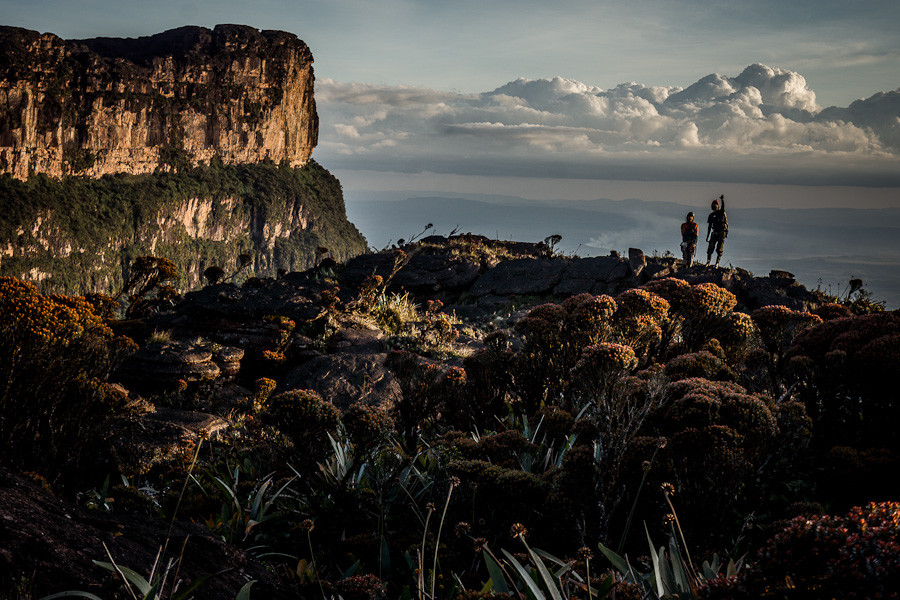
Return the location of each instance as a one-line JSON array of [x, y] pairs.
[[176, 99]]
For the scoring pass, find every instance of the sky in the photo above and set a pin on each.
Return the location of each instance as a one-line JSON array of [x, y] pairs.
[[758, 92]]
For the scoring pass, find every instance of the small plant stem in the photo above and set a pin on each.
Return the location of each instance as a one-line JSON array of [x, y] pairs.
[[634, 504], [312, 555], [587, 568], [421, 579], [178, 567], [119, 571], [181, 495], [683, 541], [437, 543]]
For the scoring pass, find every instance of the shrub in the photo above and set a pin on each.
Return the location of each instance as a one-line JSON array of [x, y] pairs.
[[852, 556], [366, 425], [55, 354], [699, 364], [307, 420]]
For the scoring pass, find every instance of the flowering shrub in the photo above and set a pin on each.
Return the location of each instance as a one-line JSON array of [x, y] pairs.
[[852, 556], [778, 325], [366, 425], [589, 317], [501, 448], [503, 495], [750, 416], [55, 354], [709, 298], [699, 364], [307, 420], [606, 358], [674, 291], [705, 311], [831, 311], [553, 423], [360, 587], [490, 379], [848, 379]]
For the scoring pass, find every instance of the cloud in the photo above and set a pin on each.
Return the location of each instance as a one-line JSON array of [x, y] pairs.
[[763, 125]]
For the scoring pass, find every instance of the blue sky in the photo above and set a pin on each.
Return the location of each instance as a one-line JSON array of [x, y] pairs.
[[845, 49], [573, 91]]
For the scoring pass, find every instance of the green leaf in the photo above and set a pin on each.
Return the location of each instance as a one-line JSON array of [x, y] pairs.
[[617, 561], [731, 569], [153, 592], [682, 581], [244, 592], [656, 575], [535, 591], [139, 582], [351, 571], [72, 594], [498, 581], [254, 508], [385, 555], [549, 581]]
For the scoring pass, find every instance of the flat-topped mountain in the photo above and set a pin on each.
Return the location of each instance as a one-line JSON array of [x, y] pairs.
[[192, 144], [181, 97]]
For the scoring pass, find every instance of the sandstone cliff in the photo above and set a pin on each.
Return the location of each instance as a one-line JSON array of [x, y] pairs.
[[78, 234], [178, 98]]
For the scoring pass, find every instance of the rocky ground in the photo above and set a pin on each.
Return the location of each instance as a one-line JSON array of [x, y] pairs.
[[302, 331]]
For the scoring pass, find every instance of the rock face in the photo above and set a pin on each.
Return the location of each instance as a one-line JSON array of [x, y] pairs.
[[182, 97], [78, 235], [193, 145]]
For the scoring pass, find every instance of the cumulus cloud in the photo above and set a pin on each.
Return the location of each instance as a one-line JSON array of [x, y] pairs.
[[761, 124]]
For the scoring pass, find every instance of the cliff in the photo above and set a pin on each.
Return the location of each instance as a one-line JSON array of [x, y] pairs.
[[78, 235], [192, 144], [175, 99]]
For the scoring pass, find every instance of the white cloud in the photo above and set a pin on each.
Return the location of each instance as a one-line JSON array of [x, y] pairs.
[[717, 127]]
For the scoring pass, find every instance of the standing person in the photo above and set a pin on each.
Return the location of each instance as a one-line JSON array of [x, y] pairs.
[[690, 232], [716, 229]]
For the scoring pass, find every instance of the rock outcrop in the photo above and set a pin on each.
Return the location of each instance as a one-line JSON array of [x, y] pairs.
[[182, 97], [193, 145]]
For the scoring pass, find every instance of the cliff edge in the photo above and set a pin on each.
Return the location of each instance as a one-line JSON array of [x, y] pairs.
[[177, 99]]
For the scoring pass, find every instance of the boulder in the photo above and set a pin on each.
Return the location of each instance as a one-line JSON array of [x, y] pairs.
[[583, 274], [521, 276], [161, 365], [345, 379], [637, 261]]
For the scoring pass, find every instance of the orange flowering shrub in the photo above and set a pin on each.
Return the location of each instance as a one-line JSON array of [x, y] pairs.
[[832, 310], [640, 302], [642, 321], [606, 358], [705, 308], [726, 445], [673, 290], [709, 298], [589, 317], [778, 325], [55, 354], [854, 556], [699, 364]]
